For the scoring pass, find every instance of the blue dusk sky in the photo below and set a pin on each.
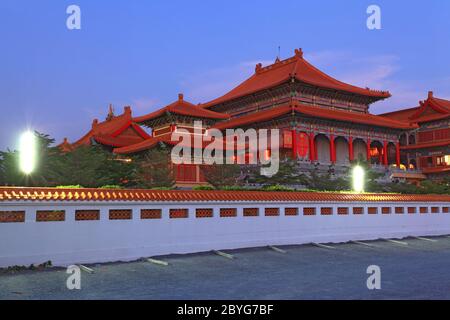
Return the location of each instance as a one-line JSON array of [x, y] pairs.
[[143, 53]]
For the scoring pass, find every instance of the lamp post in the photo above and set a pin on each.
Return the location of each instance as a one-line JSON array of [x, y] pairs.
[[27, 152], [358, 179]]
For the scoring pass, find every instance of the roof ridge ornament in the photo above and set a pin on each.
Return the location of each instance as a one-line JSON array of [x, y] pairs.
[[110, 112], [180, 97], [299, 53], [430, 94], [258, 67]]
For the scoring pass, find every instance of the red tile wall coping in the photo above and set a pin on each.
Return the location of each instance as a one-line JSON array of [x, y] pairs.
[[57, 194]]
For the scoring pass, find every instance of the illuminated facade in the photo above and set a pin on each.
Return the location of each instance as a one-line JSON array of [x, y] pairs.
[[324, 123]]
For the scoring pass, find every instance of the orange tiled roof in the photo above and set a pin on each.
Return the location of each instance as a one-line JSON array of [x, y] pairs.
[[429, 110], [116, 142], [153, 141], [143, 145], [56, 194], [363, 118], [255, 117], [295, 67], [431, 144], [436, 169], [109, 132], [182, 107], [313, 111]]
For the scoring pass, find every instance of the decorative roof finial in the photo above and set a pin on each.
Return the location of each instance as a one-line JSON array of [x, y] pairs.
[[180, 97], [94, 123], [127, 110], [299, 52], [110, 112], [430, 94], [258, 67]]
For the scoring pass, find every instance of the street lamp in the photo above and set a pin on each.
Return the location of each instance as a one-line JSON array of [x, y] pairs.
[[27, 152], [358, 179]]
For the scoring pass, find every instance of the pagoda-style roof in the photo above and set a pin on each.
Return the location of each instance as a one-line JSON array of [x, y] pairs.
[[431, 144], [314, 112], [296, 68], [431, 109], [183, 108], [166, 139], [115, 131]]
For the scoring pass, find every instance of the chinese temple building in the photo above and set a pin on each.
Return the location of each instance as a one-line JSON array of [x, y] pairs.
[[324, 123], [114, 132], [426, 148]]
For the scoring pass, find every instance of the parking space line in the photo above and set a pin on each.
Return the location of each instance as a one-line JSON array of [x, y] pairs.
[[320, 245], [364, 244], [397, 242], [425, 239], [277, 249], [223, 254], [86, 269], [158, 262]]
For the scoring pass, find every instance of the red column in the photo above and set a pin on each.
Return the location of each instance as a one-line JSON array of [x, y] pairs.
[[332, 149], [294, 144], [397, 154], [368, 151], [350, 149], [385, 155], [312, 147]]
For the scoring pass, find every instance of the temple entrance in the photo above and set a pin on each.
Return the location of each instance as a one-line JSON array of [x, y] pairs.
[[391, 153], [402, 139], [342, 150], [322, 148], [376, 152], [359, 150]]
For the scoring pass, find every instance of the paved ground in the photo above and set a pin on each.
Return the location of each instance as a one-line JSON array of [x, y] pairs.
[[419, 270]]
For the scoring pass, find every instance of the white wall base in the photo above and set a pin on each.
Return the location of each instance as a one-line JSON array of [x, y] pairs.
[[71, 241]]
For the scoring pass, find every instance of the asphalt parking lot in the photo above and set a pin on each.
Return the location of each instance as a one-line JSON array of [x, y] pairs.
[[418, 270]]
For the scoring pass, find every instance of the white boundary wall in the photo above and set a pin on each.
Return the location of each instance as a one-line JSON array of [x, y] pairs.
[[68, 242]]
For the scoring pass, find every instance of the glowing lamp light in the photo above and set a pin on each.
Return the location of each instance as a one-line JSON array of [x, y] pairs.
[[27, 152], [358, 179]]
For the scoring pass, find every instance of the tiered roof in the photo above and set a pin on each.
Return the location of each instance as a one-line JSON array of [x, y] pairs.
[[297, 68], [313, 111], [115, 131], [166, 139], [184, 108], [431, 109]]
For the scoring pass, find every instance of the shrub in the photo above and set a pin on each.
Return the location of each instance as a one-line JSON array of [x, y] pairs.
[[203, 188]]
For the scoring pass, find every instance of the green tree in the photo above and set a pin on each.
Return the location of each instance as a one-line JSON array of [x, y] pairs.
[[10, 173], [92, 166], [222, 175], [154, 169], [326, 182], [89, 166], [287, 174]]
